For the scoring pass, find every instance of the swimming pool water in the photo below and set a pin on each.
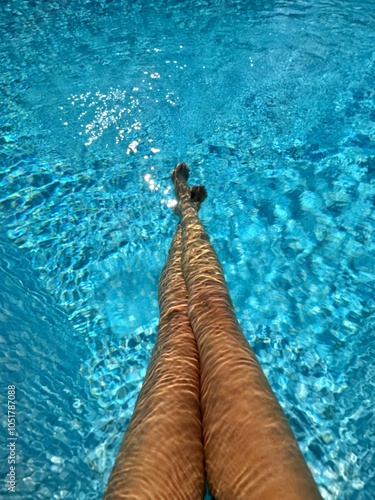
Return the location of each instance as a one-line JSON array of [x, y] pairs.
[[272, 105]]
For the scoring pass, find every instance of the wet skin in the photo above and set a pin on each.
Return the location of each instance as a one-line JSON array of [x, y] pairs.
[[161, 456], [203, 363], [249, 448]]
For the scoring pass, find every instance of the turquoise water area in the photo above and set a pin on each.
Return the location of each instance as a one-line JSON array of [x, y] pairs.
[[272, 105]]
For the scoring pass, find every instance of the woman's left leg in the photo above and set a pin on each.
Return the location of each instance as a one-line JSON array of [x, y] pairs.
[[161, 455]]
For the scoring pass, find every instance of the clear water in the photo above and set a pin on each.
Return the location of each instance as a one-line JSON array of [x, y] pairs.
[[272, 105]]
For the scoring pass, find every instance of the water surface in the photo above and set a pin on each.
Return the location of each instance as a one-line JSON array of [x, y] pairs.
[[272, 105]]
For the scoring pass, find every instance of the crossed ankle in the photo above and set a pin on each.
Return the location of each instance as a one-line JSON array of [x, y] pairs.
[[194, 195]]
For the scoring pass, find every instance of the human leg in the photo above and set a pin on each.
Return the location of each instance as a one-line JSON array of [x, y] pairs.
[[161, 456], [250, 451]]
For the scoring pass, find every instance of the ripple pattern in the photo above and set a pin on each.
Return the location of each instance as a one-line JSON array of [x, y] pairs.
[[272, 106]]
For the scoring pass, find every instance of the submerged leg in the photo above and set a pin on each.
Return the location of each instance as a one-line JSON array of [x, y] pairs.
[[161, 455], [250, 451]]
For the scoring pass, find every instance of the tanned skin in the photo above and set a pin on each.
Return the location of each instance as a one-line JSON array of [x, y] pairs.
[[249, 448], [161, 455], [204, 379]]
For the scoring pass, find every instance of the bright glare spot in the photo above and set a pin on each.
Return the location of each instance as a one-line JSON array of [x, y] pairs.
[[102, 111], [171, 98], [147, 177], [132, 147], [155, 150], [155, 75], [171, 203], [136, 126]]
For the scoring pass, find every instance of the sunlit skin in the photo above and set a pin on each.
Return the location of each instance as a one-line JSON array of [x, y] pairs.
[[161, 456], [204, 381]]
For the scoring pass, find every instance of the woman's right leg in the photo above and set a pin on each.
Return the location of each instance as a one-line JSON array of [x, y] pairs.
[[250, 451]]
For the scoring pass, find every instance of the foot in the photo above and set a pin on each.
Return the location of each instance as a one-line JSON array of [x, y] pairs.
[[194, 195], [197, 196], [180, 170], [179, 178]]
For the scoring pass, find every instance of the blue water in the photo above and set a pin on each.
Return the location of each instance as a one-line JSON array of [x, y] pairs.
[[272, 105]]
